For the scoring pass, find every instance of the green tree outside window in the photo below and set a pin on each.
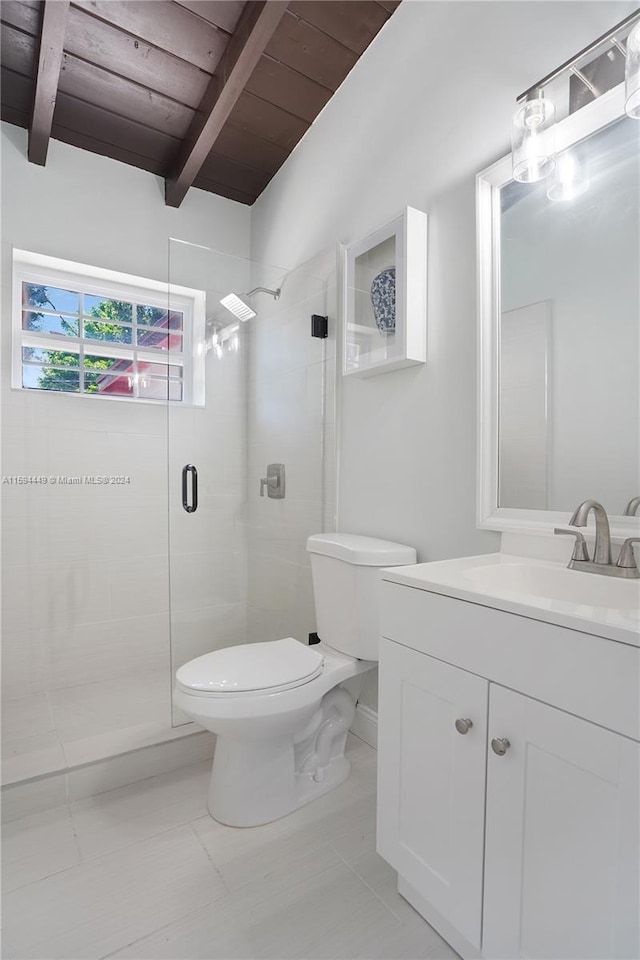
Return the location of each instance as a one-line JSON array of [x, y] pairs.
[[104, 328]]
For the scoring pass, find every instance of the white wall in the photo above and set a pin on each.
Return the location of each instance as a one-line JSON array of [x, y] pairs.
[[86, 659], [427, 106]]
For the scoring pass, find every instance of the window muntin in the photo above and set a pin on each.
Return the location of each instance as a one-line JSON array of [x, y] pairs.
[[80, 335]]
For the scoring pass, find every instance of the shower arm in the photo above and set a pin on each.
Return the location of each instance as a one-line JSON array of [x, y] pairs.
[[274, 293]]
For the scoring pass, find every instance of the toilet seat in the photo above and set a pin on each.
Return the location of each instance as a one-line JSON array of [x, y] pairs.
[[250, 669]]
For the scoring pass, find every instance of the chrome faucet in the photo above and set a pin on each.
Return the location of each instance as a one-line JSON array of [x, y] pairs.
[[602, 548], [625, 567], [631, 508]]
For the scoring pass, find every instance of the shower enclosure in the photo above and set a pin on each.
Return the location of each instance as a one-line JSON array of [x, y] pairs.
[[239, 572], [108, 588]]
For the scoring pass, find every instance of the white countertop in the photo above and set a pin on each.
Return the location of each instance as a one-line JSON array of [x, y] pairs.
[[605, 606]]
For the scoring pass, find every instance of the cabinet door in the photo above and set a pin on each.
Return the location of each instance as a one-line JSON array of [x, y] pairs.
[[431, 781], [561, 858]]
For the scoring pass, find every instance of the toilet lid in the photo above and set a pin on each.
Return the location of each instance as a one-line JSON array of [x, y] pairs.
[[270, 666]]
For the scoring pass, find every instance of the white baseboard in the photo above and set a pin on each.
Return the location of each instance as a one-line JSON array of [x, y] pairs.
[[365, 725]]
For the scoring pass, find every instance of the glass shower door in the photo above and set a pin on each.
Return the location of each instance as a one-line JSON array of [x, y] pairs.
[[247, 451]]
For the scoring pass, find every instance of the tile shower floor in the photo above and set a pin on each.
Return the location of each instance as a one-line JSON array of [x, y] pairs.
[[144, 872]]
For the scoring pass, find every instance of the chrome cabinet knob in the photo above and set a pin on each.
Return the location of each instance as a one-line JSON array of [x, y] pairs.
[[463, 726], [500, 745]]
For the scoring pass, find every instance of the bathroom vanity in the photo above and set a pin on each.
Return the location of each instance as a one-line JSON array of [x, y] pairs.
[[509, 713], [509, 749]]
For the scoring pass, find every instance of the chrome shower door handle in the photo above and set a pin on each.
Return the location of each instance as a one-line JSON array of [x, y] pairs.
[[193, 506]]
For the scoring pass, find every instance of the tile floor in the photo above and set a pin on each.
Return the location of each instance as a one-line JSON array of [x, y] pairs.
[[144, 872]]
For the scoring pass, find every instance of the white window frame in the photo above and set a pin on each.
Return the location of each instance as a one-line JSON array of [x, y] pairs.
[[37, 268]]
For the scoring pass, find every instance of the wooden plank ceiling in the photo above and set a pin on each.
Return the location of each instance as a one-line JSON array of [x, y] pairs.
[[209, 93]]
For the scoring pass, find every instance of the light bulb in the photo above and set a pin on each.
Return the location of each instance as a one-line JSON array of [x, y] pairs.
[[568, 179]]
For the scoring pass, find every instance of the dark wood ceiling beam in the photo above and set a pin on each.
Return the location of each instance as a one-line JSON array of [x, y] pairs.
[[54, 20], [254, 30]]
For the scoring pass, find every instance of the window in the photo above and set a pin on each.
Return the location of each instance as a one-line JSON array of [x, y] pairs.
[[94, 332]]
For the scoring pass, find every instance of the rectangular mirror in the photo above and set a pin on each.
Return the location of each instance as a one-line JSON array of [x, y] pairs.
[[559, 272]]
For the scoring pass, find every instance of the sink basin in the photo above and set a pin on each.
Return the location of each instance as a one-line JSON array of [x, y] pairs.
[[555, 582], [541, 589]]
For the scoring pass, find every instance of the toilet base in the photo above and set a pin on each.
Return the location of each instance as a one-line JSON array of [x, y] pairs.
[[253, 810], [335, 774], [257, 781]]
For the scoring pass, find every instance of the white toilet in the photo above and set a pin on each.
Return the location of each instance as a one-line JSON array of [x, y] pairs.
[[280, 709]]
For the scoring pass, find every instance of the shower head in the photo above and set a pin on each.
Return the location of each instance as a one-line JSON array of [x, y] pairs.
[[238, 307], [242, 310]]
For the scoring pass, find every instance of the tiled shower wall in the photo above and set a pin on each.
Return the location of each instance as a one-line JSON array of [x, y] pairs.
[[84, 578], [290, 420]]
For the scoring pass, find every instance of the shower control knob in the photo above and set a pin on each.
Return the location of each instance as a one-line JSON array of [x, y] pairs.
[[463, 726], [500, 745]]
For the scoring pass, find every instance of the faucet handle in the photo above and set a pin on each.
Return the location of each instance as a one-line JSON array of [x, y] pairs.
[[271, 482], [580, 551], [627, 559]]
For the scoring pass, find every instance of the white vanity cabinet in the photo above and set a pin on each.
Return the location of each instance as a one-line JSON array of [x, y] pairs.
[[561, 860], [425, 765], [530, 851]]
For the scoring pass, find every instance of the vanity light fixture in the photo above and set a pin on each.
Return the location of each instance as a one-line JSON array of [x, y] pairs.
[[632, 74], [532, 138], [532, 132]]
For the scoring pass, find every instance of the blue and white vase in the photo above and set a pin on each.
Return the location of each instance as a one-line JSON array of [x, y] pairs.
[[383, 300]]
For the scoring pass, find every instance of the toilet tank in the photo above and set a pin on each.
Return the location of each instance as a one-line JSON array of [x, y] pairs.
[[345, 569]]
